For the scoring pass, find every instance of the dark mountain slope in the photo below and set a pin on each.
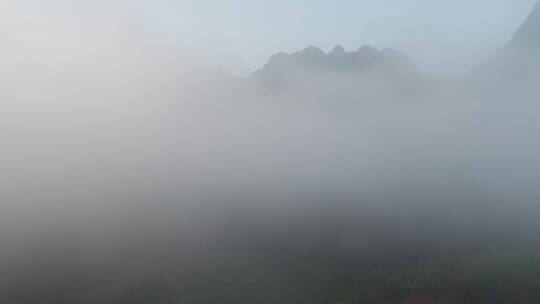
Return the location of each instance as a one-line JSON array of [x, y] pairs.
[[528, 35]]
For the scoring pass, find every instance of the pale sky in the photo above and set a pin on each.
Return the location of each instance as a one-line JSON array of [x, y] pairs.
[[441, 36]]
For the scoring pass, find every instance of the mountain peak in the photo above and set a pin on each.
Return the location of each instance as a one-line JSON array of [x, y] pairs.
[[338, 50], [528, 35], [365, 59]]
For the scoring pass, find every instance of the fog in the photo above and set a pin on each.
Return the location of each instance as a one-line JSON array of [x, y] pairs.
[[135, 172]]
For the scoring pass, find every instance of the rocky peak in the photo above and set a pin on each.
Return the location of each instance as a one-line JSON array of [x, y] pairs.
[[528, 35]]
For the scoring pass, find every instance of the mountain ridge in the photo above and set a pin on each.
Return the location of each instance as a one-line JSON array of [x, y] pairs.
[[528, 34]]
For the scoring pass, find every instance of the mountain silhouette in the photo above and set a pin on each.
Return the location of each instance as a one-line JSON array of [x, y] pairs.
[[528, 35], [365, 59], [341, 75], [367, 73], [517, 64]]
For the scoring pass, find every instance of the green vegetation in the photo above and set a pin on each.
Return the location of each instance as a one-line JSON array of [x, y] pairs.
[[486, 279]]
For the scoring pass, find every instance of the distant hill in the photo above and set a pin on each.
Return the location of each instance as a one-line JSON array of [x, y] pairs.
[[518, 62], [528, 35], [339, 79], [342, 77], [363, 60]]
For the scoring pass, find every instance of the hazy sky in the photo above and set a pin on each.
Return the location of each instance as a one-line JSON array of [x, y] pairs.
[[441, 36]]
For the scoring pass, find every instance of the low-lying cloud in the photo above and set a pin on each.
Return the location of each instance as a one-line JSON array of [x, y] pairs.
[[123, 154]]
